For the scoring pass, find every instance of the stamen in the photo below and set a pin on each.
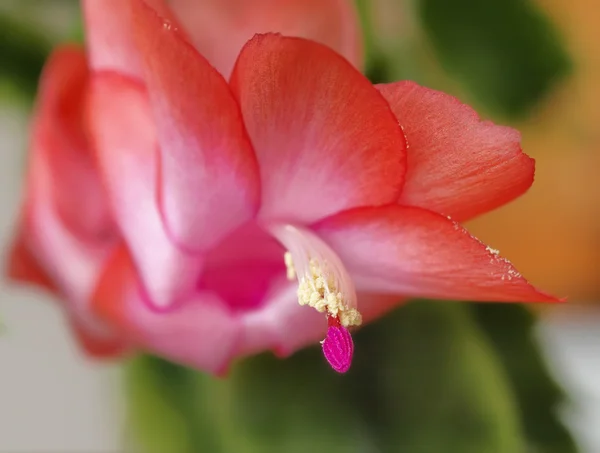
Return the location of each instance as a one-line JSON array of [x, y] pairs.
[[324, 284], [289, 265], [319, 289]]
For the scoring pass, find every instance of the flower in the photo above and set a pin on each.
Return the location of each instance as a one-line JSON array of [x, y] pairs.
[[297, 168]]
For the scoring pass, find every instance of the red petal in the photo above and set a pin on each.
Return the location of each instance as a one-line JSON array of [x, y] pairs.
[[220, 28], [200, 332], [23, 266], [414, 252], [66, 230], [325, 138], [373, 306], [126, 147], [100, 347], [109, 40], [58, 135], [208, 176], [459, 165]]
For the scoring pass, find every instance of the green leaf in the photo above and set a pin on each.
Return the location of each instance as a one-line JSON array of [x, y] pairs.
[[510, 329], [424, 380], [165, 408], [392, 50], [22, 53], [506, 52], [439, 384]]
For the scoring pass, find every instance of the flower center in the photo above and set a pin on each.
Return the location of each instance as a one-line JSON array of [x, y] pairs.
[[318, 287], [323, 284]]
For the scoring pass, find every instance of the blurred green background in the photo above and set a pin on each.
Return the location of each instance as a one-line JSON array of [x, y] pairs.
[[431, 377]]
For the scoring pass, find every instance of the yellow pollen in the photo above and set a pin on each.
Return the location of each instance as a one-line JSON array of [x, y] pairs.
[[289, 264], [319, 290]]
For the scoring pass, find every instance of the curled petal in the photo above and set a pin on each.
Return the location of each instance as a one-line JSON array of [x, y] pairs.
[[220, 28], [417, 253], [100, 346], [200, 332], [208, 183], [59, 139], [281, 324], [65, 230], [23, 267], [325, 139], [459, 165], [68, 266], [125, 142]]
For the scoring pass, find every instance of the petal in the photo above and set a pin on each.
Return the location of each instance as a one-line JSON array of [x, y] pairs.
[[109, 40], [65, 231], [99, 347], [50, 254], [200, 332], [220, 28], [281, 323], [418, 253], [265, 302], [459, 165], [251, 258], [208, 173], [71, 266], [75, 188], [374, 305], [23, 266], [325, 138], [125, 142]]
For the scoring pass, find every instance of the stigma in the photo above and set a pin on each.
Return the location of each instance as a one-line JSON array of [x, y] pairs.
[[338, 347]]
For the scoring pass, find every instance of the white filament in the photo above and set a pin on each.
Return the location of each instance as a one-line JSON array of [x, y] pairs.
[[323, 281]]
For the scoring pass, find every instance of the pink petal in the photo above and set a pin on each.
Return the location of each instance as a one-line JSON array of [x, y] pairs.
[[250, 243], [418, 253], [22, 265], [126, 147], [65, 232], [109, 39], [458, 165], [73, 267], [76, 191], [220, 28], [241, 269], [325, 138], [201, 332], [280, 323], [208, 175], [242, 285], [373, 305], [107, 346], [70, 264]]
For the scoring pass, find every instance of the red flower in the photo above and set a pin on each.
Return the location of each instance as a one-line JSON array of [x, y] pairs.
[[211, 183]]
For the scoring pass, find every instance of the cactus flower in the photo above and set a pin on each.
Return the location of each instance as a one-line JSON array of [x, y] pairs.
[[290, 202]]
